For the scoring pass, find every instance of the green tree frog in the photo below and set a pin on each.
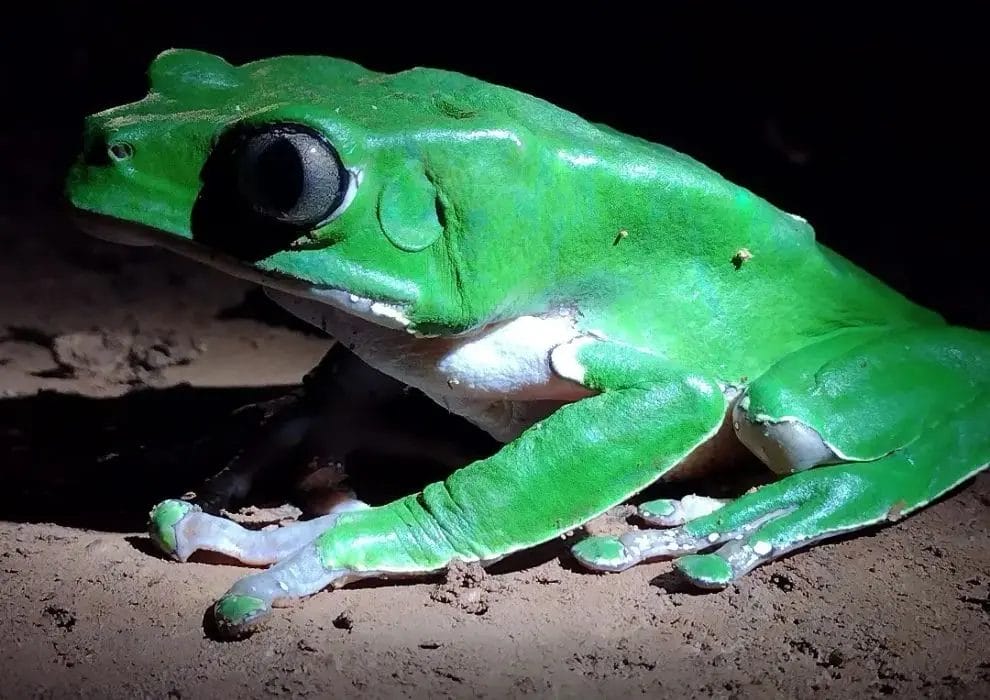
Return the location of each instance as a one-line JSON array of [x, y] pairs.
[[610, 311]]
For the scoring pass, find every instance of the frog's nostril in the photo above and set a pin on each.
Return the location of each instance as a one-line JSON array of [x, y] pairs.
[[120, 150], [100, 149]]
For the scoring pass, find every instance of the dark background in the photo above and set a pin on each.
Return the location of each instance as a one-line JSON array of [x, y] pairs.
[[869, 126], [868, 123]]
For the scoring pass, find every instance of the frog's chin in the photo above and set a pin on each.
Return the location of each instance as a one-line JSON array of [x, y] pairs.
[[388, 314]]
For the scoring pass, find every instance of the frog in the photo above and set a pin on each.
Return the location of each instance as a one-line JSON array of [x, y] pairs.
[[613, 313]]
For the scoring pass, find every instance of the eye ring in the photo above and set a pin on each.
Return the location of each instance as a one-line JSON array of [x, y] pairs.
[[287, 174]]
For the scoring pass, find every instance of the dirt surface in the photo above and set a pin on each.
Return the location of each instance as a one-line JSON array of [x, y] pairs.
[[115, 363]]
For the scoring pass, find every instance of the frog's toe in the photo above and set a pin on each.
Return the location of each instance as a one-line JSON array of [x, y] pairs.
[[238, 616], [669, 512], [705, 570], [603, 554], [729, 562], [164, 526]]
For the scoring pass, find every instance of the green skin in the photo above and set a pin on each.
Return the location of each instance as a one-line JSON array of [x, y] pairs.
[[691, 304]]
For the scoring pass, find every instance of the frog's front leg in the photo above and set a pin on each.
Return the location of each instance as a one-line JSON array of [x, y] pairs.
[[643, 418], [343, 405], [889, 421]]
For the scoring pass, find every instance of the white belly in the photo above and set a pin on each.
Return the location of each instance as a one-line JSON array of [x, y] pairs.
[[500, 378]]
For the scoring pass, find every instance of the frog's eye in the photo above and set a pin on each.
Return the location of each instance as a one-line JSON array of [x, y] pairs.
[[266, 186], [289, 174]]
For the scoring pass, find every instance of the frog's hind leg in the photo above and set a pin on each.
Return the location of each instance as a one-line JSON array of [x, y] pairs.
[[864, 429]]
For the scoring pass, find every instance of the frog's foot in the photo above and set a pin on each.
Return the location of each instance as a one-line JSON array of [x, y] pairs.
[[800, 509], [755, 528], [613, 554], [181, 528]]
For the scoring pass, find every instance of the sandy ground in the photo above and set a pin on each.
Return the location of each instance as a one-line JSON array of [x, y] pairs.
[[115, 362]]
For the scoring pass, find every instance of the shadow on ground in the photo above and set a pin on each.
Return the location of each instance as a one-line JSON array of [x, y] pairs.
[[101, 463]]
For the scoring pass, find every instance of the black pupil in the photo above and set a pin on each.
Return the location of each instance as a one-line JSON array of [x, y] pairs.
[[280, 175], [289, 176]]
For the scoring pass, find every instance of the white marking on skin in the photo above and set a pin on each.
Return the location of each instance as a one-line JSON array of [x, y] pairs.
[[796, 217], [713, 537], [387, 315], [387, 311], [564, 359], [762, 548], [699, 384], [508, 357], [119, 122], [498, 378], [784, 444], [579, 159], [699, 506]]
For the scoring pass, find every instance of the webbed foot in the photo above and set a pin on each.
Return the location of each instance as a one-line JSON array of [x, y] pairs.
[[768, 523]]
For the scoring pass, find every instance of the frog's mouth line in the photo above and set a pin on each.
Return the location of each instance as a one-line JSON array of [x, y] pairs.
[[388, 314]]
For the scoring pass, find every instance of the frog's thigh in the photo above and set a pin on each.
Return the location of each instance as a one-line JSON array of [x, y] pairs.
[[896, 420]]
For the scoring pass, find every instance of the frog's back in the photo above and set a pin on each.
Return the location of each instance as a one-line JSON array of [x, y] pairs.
[[720, 276]]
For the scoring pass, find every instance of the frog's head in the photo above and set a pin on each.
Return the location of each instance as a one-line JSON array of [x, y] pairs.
[[402, 198]]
